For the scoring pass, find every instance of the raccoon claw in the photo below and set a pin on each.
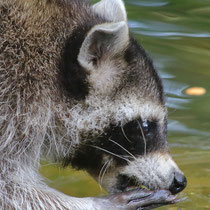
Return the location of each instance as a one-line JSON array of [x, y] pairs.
[[140, 199]]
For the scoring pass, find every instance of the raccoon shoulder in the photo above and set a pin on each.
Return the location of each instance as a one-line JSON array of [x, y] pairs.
[[33, 34]]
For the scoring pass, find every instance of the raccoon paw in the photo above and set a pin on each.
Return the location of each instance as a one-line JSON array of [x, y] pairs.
[[139, 199]]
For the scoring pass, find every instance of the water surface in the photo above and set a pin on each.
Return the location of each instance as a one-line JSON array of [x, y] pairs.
[[176, 33]]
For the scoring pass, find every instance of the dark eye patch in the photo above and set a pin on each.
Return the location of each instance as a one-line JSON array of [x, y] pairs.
[[129, 138], [121, 143], [145, 128]]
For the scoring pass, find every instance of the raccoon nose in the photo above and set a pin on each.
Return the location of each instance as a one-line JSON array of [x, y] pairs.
[[178, 184]]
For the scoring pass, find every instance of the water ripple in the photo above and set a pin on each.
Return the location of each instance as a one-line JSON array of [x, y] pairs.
[[161, 29], [155, 26], [148, 3], [173, 34], [176, 126], [177, 103], [174, 88]]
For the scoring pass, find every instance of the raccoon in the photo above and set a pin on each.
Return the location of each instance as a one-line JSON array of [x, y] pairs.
[[77, 89]]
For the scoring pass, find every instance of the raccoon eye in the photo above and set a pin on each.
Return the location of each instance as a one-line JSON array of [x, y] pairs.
[[148, 127], [145, 126]]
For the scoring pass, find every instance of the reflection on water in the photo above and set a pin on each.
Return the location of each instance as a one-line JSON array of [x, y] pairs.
[[159, 29], [177, 35], [149, 3]]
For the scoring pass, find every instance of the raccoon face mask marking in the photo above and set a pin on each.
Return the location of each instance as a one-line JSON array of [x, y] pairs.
[[125, 149]]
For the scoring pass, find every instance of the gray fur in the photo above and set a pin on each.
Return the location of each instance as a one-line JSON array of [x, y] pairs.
[[38, 119]]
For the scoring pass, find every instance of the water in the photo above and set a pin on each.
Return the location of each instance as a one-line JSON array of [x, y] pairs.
[[176, 33]]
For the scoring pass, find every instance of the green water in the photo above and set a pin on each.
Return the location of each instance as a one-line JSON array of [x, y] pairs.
[[177, 35]]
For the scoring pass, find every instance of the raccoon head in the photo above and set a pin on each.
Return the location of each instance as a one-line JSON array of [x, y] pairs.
[[122, 119]]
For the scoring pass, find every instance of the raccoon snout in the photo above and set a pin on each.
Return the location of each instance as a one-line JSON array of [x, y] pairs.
[[178, 184]]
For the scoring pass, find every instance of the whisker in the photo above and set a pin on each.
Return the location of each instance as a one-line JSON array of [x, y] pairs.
[[105, 170], [145, 144], [111, 153], [125, 135], [100, 173], [123, 149]]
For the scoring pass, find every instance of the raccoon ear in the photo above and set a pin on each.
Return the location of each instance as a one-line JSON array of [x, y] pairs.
[[113, 10], [102, 42]]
